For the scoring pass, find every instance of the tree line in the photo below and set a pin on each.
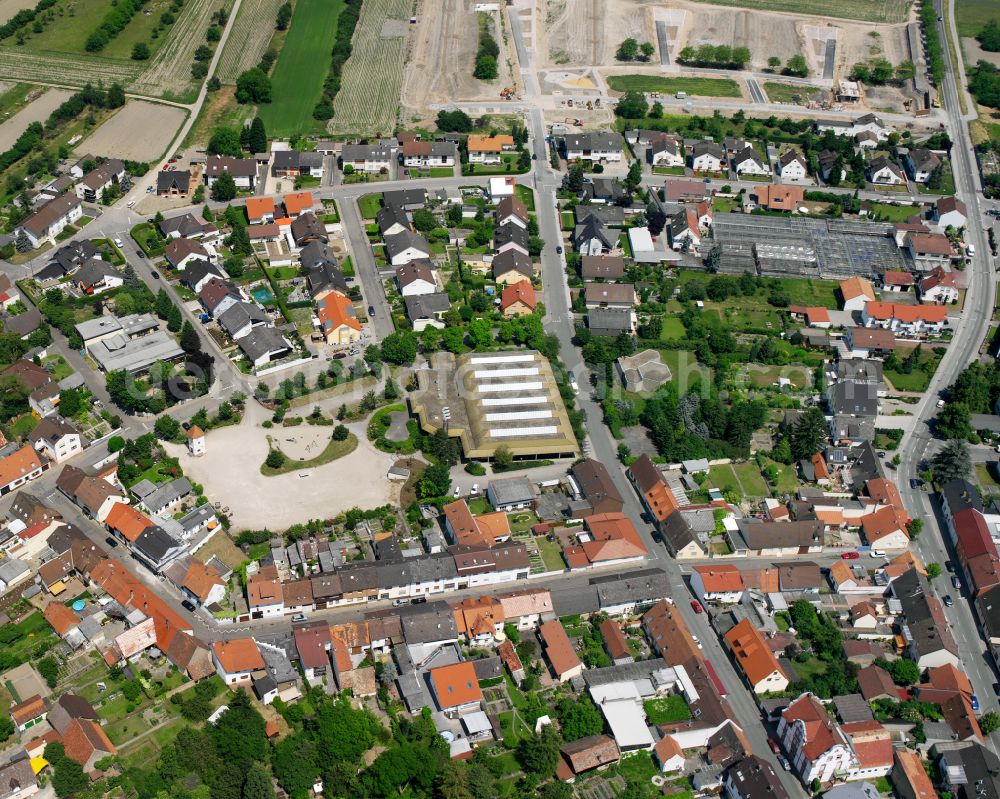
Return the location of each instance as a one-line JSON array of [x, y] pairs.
[[346, 23], [114, 22], [488, 52], [23, 17], [720, 56]]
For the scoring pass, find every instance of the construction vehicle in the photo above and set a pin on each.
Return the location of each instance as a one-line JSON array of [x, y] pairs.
[[571, 121], [507, 92]]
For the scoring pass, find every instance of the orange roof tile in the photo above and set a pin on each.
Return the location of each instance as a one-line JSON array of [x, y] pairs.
[[201, 578], [720, 579], [30, 708], [885, 492], [493, 526], [83, 738], [614, 537], [62, 618], [949, 678], [885, 521], [911, 768], [522, 292], [558, 648], [238, 655], [334, 311], [298, 202], [257, 207], [930, 314], [855, 286], [127, 520], [752, 653], [129, 591], [18, 464], [456, 685], [489, 144]]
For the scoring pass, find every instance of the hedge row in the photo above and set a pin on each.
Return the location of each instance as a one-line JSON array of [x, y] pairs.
[[338, 57], [114, 22]]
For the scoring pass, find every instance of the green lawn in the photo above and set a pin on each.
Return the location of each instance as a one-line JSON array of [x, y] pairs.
[[685, 370], [972, 15], [334, 450], [433, 172], [551, 554], [787, 481], [67, 33], [987, 482], [811, 667], [297, 80], [891, 213], [673, 329], [723, 477], [21, 426], [704, 87], [751, 479], [917, 380], [60, 369], [34, 635], [666, 710], [146, 236], [525, 195], [786, 92], [369, 205]]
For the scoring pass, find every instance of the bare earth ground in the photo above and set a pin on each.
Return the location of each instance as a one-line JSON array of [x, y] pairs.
[[230, 473], [141, 131], [442, 56], [37, 111], [588, 32], [8, 8], [973, 52]]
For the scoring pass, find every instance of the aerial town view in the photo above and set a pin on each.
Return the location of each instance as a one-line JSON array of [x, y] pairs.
[[442, 399]]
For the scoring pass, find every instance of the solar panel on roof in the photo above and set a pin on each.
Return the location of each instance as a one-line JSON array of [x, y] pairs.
[[504, 416], [525, 372], [495, 401], [512, 432], [484, 388]]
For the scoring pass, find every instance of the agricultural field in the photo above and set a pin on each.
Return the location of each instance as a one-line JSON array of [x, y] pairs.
[[37, 110], [373, 76], [169, 71], [789, 92], [972, 15], [140, 131], [248, 39], [75, 70], [9, 8], [297, 80], [704, 87]]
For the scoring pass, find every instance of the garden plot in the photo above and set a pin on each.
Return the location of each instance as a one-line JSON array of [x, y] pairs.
[[369, 94], [248, 39], [75, 70], [141, 131], [37, 111], [170, 69]]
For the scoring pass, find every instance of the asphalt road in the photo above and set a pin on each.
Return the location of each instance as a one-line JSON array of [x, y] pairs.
[[919, 445]]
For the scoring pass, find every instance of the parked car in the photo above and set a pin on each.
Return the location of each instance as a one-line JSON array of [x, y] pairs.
[[188, 605], [774, 746], [398, 603], [915, 483], [299, 617], [130, 203], [558, 250], [974, 701], [111, 542], [417, 600], [877, 553], [156, 275], [696, 606], [949, 566], [852, 555], [784, 763], [371, 310], [955, 582], [118, 242], [948, 601]]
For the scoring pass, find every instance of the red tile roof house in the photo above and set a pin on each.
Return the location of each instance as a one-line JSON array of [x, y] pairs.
[[817, 747], [86, 743], [456, 687], [28, 713], [722, 583], [313, 644], [872, 747], [236, 660], [559, 651]]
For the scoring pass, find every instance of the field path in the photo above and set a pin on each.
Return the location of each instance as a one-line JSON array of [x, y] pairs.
[[37, 110]]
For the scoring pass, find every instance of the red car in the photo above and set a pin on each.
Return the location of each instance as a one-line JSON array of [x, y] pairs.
[[774, 746], [850, 555], [696, 606]]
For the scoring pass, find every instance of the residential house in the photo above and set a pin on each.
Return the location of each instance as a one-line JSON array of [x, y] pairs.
[[559, 651], [297, 163], [243, 171], [264, 594], [656, 497], [668, 755], [518, 299], [748, 162], [511, 493], [56, 438], [187, 226], [816, 746], [411, 199], [610, 295], [615, 642], [264, 345], [427, 310], [598, 146], [909, 777], [217, 296], [864, 342], [883, 171], [602, 267], [17, 778], [669, 635], [415, 278], [240, 318], [920, 164], [592, 237], [950, 212], [753, 778], [586, 754], [511, 210], [203, 584], [197, 272], [792, 165], [906, 320], [511, 236], [338, 320], [488, 149], [260, 210], [685, 191], [236, 660], [856, 292], [925, 630], [707, 156], [406, 246], [297, 203], [392, 219], [173, 183], [18, 468], [512, 266], [756, 660], [29, 712], [180, 252], [85, 741], [93, 185], [897, 281], [596, 486], [666, 151], [939, 287], [776, 197], [929, 250], [307, 228], [683, 229], [51, 219], [428, 154], [313, 643], [886, 528], [722, 583], [456, 688], [369, 158], [97, 276], [828, 161]]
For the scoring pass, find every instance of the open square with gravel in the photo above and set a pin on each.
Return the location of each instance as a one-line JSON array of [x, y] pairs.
[[229, 471], [141, 131]]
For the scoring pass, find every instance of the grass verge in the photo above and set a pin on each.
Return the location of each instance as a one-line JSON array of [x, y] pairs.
[[333, 451]]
